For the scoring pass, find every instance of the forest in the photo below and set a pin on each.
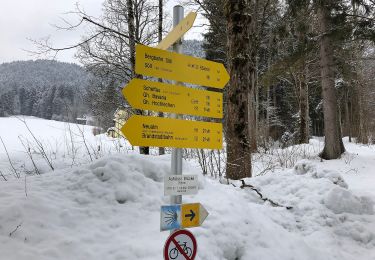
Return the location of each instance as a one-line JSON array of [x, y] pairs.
[[43, 88], [62, 91]]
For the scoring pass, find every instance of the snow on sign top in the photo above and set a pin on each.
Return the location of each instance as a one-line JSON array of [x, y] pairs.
[[180, 245], [180, 185]]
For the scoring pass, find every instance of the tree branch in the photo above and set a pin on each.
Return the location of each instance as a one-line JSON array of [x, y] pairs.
[[274, 204], [106, 28]]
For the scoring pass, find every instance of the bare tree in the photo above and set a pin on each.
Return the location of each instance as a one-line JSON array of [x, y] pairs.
[[113, 54], [108, 47]]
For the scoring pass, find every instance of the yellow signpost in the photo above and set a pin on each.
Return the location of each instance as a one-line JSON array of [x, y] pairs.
[[178, 31], [156, 96], [192, 215], [170, 65], [167, 132], [177, 133]]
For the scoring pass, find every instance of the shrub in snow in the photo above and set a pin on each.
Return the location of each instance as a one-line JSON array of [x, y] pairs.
[[305, 166], [340, 200], [333, 176], [287, 139]]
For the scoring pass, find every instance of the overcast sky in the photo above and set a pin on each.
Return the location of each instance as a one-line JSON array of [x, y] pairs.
[[34, 19]]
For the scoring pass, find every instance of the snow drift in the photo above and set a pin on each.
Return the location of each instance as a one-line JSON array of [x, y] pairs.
[[110, 209]]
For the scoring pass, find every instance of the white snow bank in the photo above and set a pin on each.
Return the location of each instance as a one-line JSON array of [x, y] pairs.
[[323, 212], [340, 200], [106, 210], [308, 167], [110, 209]]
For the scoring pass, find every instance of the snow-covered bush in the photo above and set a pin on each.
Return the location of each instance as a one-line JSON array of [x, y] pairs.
[[307, 167], [341, 200]]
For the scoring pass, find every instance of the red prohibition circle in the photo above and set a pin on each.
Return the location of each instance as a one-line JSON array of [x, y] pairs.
[[171, 239]]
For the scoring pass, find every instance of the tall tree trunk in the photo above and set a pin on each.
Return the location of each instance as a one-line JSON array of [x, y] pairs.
[[350, 109], [252, 115], [347, 117], [160, 37], [252, 125], [256, 99], [160, 21], [333, 145], [131, 29], [274, 100], [355, 109], [362, 137], [268, 92], [240, 67], [267, 125], [304, 108], [302, 77]]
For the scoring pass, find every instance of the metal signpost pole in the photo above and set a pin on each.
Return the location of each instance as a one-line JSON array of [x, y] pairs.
[[176, 162]]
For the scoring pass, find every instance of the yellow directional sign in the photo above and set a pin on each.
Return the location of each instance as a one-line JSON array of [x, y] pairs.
[[178, 31], [167, 132], [170, 65], [151, 95], [182, 216], [192, 215]]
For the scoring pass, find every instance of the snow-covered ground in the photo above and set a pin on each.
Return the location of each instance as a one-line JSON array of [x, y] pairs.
[[64, 144], [110, 208]]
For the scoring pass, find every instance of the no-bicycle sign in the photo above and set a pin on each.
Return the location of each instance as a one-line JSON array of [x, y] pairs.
[[181, 245]]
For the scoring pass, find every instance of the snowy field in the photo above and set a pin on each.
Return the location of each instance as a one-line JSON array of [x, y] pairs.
[[102, 201], [52, 144]]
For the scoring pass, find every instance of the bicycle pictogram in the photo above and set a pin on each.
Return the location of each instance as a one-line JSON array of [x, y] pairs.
[[174, 252]]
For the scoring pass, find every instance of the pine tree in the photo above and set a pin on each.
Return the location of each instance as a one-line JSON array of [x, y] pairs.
[[240, 68]]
